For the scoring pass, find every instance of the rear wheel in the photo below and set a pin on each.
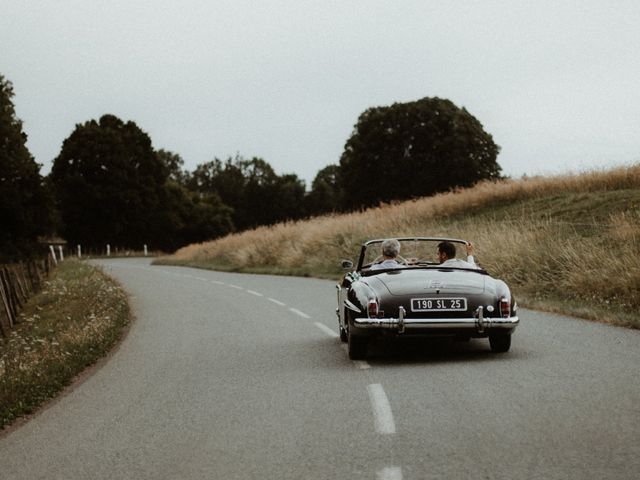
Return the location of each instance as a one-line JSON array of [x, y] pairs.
[[357, 346], [500, 343]]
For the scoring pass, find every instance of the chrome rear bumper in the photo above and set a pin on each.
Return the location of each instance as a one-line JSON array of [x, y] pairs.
[[478, 323]]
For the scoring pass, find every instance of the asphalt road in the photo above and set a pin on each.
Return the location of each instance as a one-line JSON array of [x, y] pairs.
[[227, 376]]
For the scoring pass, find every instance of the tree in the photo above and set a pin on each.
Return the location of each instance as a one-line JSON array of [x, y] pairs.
[[288, 198], [258, 205], [256, 193], [25, 206], [225, 179], [109, 184], [414, 149], [188, 217], [325, 194], [174, 164]]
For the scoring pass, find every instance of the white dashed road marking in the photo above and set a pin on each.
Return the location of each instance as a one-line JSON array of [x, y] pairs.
[[381, 409], [390, 473], [298, 312], [383, 417], [326, 329]]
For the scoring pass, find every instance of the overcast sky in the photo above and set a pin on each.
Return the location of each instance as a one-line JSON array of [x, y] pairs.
[[557, 83]]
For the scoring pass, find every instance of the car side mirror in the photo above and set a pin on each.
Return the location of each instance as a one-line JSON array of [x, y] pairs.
[[346, 264]]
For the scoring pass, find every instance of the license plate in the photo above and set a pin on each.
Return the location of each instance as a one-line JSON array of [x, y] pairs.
[[438, 304]]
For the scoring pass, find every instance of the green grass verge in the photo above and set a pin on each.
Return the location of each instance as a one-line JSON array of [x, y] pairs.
[[79, 315], [610, 314]]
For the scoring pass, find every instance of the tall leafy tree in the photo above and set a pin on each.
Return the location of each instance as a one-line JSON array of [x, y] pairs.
[[325, 195], [224, 178], [109, 183], [287, 198], [187, 217], [414, 149], [251, 187], [174, 164], [258, 205], [25, 207]]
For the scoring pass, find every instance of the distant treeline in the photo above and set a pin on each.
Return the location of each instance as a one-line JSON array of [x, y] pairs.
[[108, 185]]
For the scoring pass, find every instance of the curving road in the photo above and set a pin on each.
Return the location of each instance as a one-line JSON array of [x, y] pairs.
[[228, 376]]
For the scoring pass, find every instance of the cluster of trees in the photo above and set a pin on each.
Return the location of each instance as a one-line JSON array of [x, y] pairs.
[[112, 187], [256, 193], [109, 185], [24, 202]]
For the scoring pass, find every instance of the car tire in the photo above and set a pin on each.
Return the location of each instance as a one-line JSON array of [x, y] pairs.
[[357, 346], [500, 343], [343, 334]]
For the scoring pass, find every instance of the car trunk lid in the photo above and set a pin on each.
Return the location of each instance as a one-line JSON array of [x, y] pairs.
[[421, 281]]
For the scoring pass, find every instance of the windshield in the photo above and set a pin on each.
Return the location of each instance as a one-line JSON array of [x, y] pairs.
[[415, 251]]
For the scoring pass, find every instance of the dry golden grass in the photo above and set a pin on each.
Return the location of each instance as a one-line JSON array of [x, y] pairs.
[[597, 263]]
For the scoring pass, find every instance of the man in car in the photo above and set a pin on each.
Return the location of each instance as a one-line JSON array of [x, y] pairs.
[[447, 256], [390, 250]]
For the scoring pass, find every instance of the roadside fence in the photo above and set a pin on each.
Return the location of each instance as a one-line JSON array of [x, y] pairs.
[[105, 251], [18, 282]]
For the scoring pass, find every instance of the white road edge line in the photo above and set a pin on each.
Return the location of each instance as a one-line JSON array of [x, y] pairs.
[[257, 294], [390, 473], [237, 287], [326, 329], [277, 302], [298, 312], [381, 409]]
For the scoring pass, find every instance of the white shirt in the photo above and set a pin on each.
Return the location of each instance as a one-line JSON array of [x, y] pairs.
[[457, 263], [389, 263]]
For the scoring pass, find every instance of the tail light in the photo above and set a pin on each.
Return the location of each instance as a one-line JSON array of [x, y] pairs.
[[505, 307], [372, 308]]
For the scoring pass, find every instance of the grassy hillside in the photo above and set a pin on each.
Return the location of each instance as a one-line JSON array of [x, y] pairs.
[[568, 243]]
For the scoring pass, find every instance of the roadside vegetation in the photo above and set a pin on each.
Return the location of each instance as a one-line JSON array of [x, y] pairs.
[[568, 244], [109, 185], [77, 318]]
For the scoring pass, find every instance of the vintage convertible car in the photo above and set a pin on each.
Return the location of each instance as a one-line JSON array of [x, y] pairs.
[[420, 296]]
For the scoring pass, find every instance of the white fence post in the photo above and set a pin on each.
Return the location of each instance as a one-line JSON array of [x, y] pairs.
[[61, 254], [108, 250], [145, 249], [53, 254], [79, 251]]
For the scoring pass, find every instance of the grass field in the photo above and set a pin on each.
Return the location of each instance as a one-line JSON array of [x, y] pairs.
[[569, 244], [76, 319]]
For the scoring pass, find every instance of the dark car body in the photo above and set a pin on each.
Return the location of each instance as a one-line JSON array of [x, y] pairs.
[[422, 297]]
